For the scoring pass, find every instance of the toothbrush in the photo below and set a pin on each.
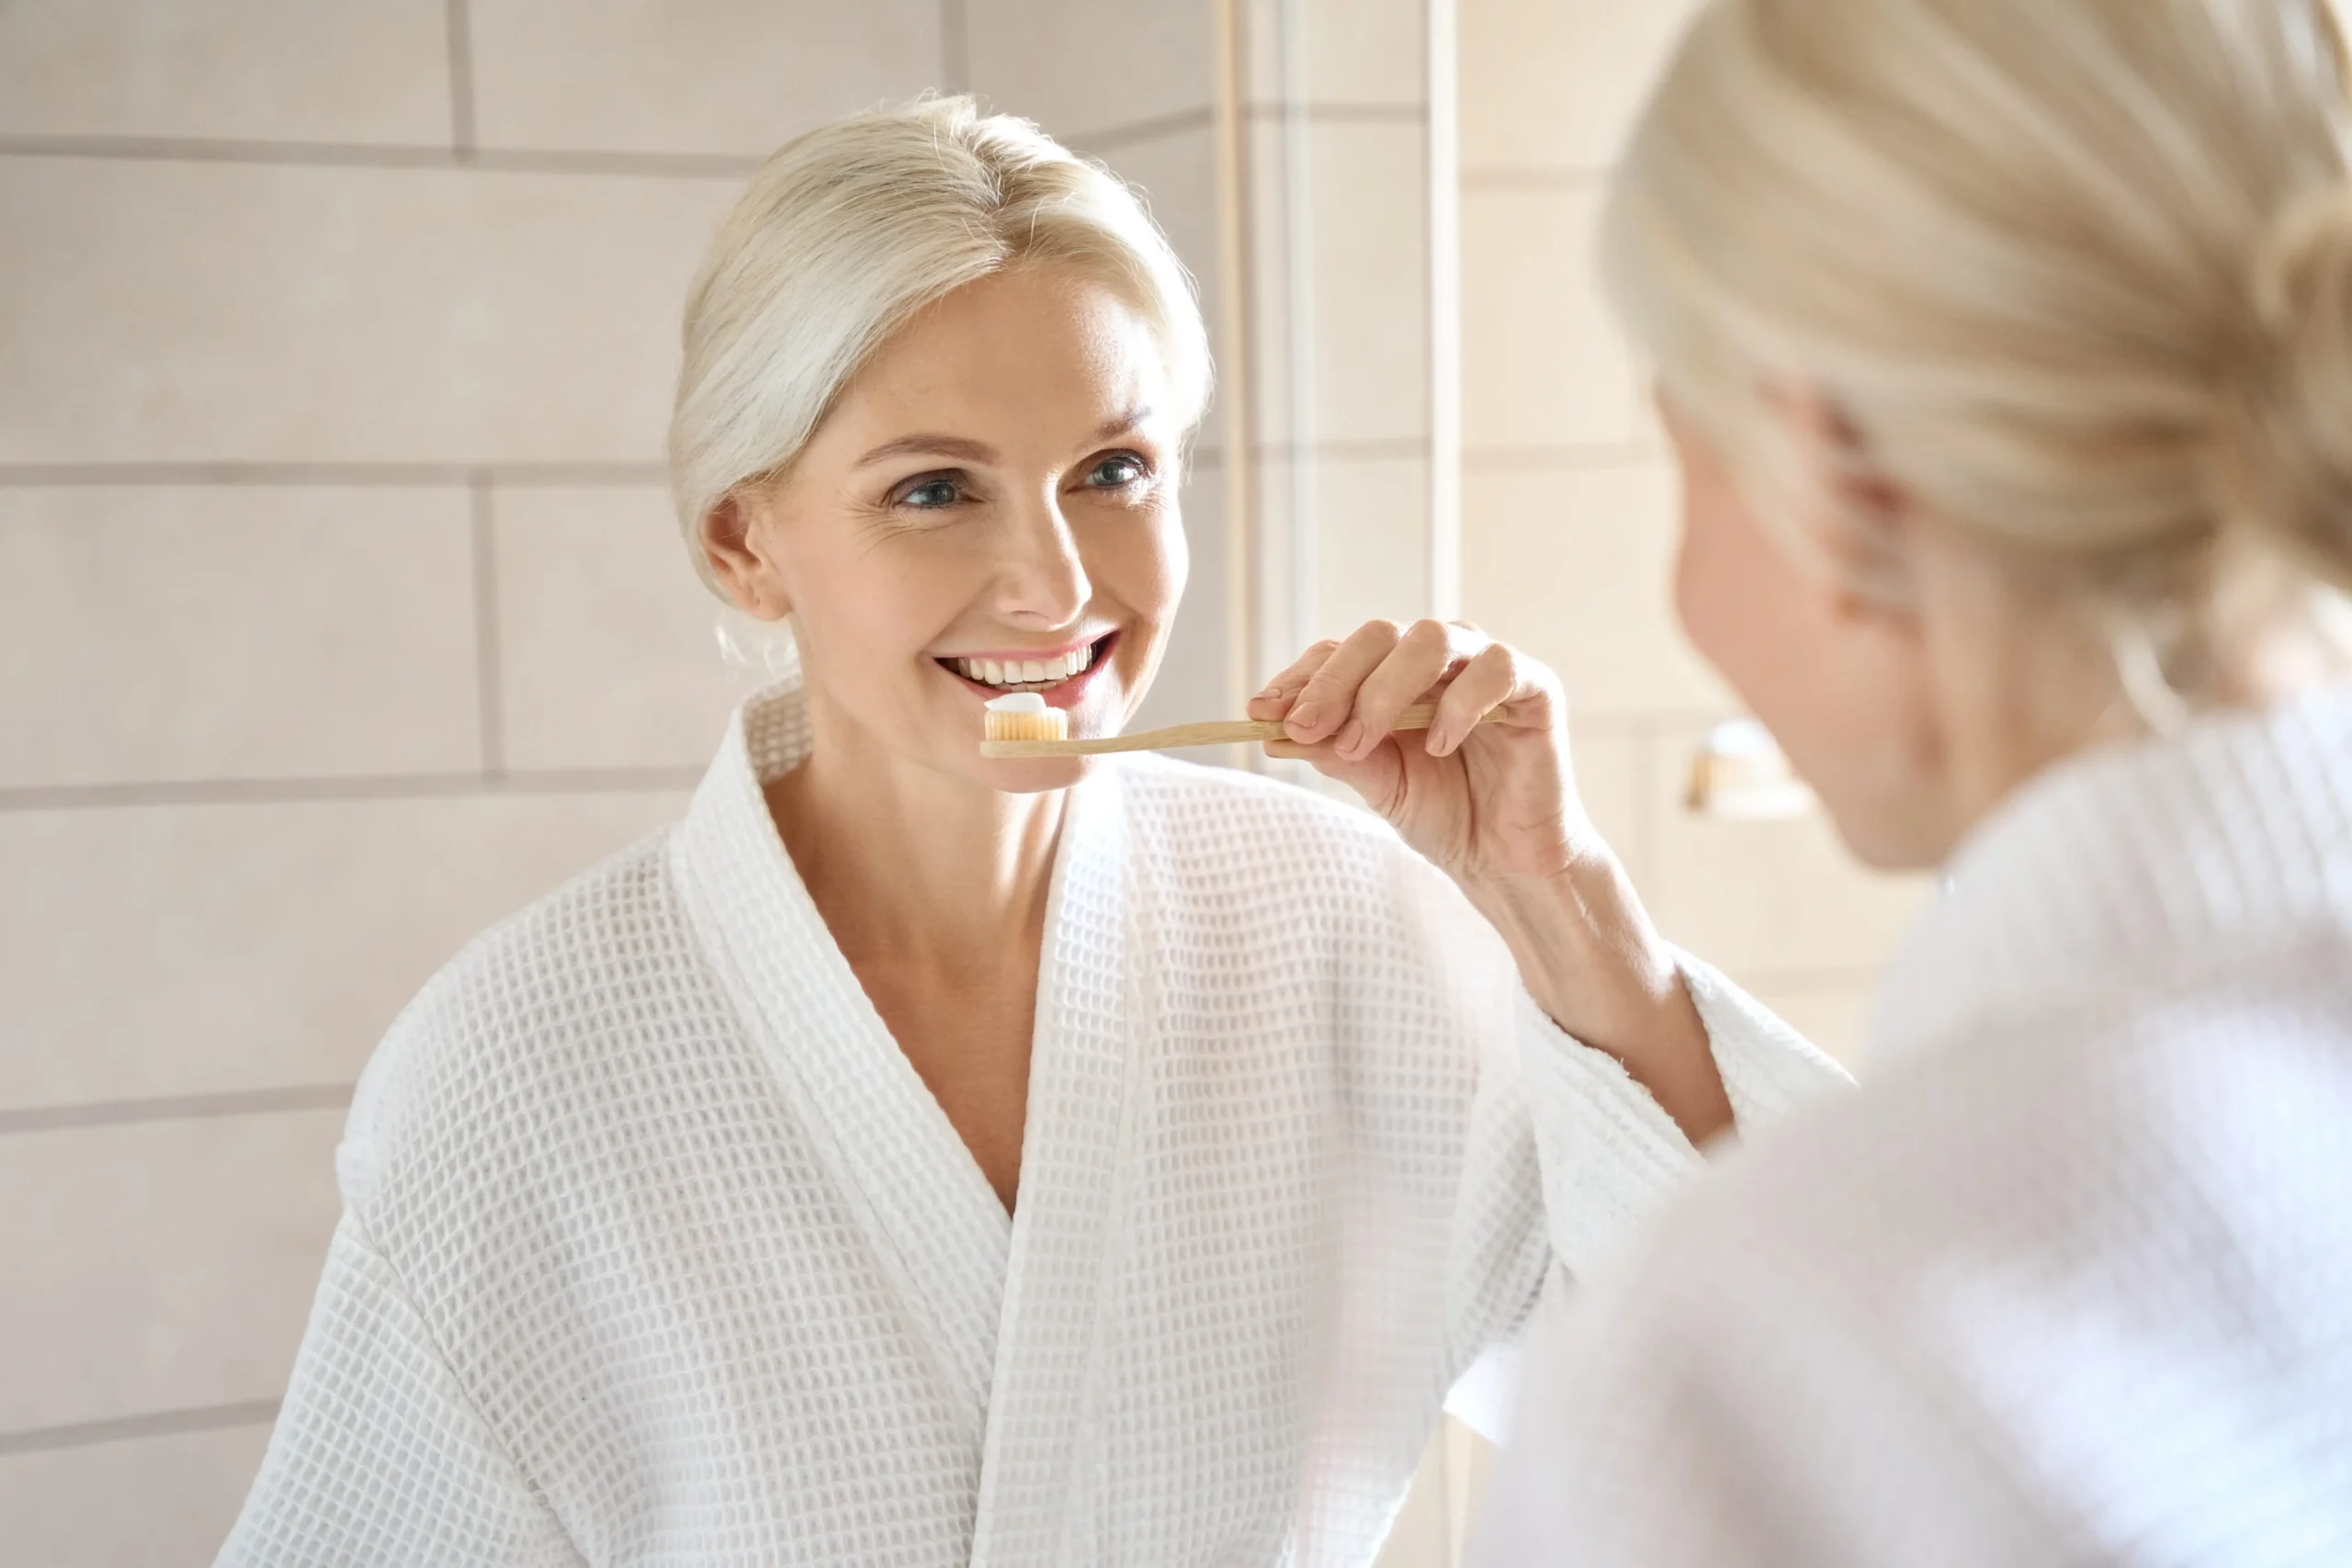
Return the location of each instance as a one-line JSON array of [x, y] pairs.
[[1023, 726]]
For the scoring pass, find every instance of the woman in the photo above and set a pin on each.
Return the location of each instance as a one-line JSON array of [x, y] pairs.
[[912, 1159], [2007, 348]]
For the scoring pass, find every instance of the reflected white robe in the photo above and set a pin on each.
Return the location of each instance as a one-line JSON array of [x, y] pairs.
[[657, 1250]]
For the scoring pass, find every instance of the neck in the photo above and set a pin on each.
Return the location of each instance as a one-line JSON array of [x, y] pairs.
[[2057, 697], [905, 861]]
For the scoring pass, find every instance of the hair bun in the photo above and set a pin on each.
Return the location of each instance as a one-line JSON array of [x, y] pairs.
[[2286, 444]]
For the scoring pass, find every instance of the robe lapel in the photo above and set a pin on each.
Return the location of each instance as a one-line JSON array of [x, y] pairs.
[[934, 1223], [1036, 1494]]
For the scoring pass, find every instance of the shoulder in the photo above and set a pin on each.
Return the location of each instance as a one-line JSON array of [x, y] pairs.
[[525, 1017], [2106, 1153]]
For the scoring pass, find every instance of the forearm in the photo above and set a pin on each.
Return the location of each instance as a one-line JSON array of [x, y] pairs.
[[1589, 955]]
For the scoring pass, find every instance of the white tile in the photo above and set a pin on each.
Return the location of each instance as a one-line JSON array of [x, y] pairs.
[[1610, 781], [1542, 362], [184, 950], [607, 640], [1556, 84], [691, 75], [1177, 176], [1372, 540], [358, 70], [1082, 67], [1576, 567], [1830, 1015], [1360, 240], [172, 310], [161, 1266], [1193, 682], [1761, 899], [174, 633], [147, 1503], [1350, 54]]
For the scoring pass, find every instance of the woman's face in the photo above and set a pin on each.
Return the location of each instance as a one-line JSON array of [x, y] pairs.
[[990, 506], [1846, 686]]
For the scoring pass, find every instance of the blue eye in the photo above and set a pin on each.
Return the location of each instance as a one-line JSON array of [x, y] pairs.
[[931, 495], [1112, 473]]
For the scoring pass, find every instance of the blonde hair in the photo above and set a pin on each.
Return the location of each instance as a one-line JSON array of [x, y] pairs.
[[2078, 273], [847, 232]]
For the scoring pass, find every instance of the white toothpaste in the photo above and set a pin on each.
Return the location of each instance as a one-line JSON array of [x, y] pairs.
[[1018, 702]]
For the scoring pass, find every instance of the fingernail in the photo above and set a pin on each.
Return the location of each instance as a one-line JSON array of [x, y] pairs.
[[1352, 737], [1305, 715]]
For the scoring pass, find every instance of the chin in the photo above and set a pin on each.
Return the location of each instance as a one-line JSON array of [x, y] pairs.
[[1888, 835], [1036, 776]]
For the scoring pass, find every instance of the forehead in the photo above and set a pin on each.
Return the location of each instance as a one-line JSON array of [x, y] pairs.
[[1033, 346]]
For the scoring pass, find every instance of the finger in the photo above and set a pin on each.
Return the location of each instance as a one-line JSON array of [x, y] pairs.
[[1281, 691], [1498, 686], [1330, 695], [1374, 777], [1420, 662]]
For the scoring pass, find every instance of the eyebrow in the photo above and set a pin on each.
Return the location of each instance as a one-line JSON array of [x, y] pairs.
[[980, 451]]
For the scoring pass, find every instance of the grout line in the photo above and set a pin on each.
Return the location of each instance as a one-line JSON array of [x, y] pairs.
[[340, 154], [153, 1424], [462, 80], [1339, 113], [1570, 180], [356, 788], [1132, 132], [174, 1108], [516, 475], [954, 46], [1570, 456], [489, 670]]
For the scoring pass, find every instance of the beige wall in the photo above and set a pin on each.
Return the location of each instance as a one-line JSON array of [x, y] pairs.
[[1568, 514], [341, 610]]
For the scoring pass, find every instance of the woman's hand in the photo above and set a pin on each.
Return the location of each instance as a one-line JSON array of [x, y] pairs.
[[1486, 801], [1488, 794]]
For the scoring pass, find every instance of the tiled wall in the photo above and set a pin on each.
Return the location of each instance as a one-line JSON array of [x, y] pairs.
[[341, 608], [1568, 514]]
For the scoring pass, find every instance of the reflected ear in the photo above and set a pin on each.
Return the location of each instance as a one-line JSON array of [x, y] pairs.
[[730, 543]]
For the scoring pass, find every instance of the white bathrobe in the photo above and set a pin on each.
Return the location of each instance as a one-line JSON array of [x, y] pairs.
[[2071, 1281], [656, 1250]]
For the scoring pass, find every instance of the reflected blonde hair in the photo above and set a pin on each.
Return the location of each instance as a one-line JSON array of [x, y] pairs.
[[847, 232], [2078, 273]]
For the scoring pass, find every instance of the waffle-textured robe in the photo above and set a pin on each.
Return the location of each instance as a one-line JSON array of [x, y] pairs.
[[2071, 1281], [656, 1250]]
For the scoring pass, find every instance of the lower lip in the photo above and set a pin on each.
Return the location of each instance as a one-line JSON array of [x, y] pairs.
[[1068, 695]]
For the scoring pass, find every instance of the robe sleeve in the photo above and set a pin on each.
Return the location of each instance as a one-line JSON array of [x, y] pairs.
[[379, 1455], [1609, 1152]]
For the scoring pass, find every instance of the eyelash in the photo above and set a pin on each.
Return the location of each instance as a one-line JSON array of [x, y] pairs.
[[904, 497]]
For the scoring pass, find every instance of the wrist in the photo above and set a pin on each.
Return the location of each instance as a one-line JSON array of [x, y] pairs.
[[1586, 950]]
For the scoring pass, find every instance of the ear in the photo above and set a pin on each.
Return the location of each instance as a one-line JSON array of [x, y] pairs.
[[1867, 529], [732, 540]]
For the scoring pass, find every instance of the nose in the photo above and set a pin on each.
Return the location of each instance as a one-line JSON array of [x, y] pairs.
[[1041, 582]]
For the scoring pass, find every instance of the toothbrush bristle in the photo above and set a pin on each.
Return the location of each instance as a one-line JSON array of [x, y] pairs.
[[1051, 725]]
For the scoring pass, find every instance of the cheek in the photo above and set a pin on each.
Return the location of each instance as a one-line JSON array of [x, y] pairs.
[[1141, 565]]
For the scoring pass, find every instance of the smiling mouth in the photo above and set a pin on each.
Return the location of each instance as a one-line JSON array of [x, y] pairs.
[[1031, 675]]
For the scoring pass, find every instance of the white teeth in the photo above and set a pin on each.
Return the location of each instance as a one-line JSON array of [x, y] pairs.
[[1028, 671]]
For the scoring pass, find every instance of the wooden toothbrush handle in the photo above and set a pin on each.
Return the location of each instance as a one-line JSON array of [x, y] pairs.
[[1176, 737]]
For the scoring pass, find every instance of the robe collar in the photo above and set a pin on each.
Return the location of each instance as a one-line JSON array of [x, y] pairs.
[[2134, 865], [1010, 1307]]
